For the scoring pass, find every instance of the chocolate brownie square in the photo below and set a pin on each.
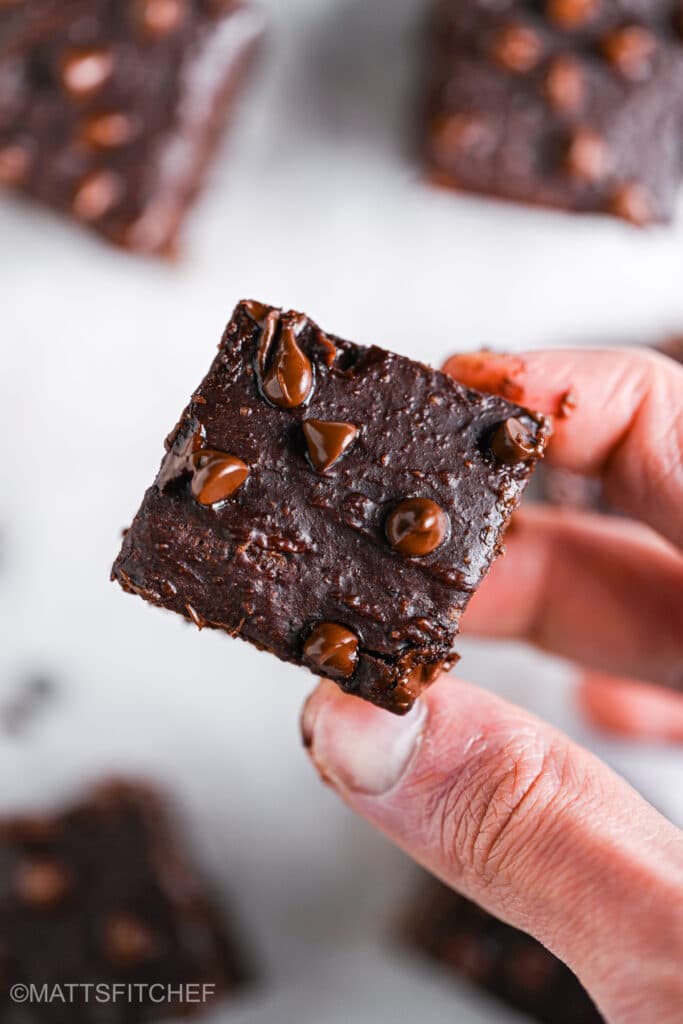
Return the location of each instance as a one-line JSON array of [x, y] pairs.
[[102, 895], [576, 104], [497, 958], [334, 504], [110, 110]]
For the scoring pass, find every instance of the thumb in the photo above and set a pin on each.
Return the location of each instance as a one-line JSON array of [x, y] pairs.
[[515, 816]]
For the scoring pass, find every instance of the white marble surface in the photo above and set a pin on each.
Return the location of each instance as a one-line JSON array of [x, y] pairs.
[[317, 204]]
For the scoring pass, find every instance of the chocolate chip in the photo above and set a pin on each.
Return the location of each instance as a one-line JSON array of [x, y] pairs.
[[327, 441], [110, 131], [15, 163], [289, 381], [161, 17], [127, 940], [571, 14], [454, 134], [517, 48], [417, 527], [332, 650], [42, 883], [216, 476], [513, 442], [565, 85], [83, 72], [631, 50], [97, 195], [633, 202], [588, 157]]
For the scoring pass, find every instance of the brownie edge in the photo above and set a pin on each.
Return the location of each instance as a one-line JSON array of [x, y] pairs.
[[334, 504]]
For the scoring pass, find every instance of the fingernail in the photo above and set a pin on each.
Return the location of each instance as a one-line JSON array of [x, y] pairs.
[[356, 746]]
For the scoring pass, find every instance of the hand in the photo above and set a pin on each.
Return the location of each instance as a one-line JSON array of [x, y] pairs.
[[498, 804]]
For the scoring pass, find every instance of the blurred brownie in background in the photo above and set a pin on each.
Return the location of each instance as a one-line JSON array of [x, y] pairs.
[[497, 958], [102, 894], [110, 110], [569, 103]]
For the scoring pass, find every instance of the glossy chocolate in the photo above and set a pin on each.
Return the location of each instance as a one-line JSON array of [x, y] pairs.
[[216, 476], [104, 892], [513, 442], [327, 441], [288, 380], [417, 527], [304, 541], [332, 650]]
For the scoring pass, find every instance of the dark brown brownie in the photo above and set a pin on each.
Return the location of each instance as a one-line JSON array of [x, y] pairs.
[[110, 109], [570, 103], [333, 504], [102, 894], [495, 957]]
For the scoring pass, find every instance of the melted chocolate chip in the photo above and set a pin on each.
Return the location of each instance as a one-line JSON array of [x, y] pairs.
[[288, 382], [85, 71], [161, 17], [216, 476], [332, 650], [571, 14], [631, 50], [417, 527], [15, 163], [513, 442], [517, 49], [327, 441], [588, 157], [41, 883], [634, 203], [565, 86], [110, 131], [127, 940], [98, 193]]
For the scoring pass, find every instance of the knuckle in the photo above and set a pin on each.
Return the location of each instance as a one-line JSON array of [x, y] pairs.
[[498, 808]]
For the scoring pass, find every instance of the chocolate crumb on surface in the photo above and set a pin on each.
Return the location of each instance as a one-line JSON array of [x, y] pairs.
[[110, 110], [578, 103], [373, 501]]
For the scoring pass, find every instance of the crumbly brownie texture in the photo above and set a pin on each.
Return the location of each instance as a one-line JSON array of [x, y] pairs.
[[495, 957], [570, 103], [102, 894], [333, 504], [110, 109]]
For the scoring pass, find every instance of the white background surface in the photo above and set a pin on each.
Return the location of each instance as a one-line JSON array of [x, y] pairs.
[[316, 203]]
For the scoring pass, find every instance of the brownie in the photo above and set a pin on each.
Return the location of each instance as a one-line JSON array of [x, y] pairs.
[[102, 894], [576, 104], [497, 958], [334, 504], [111, 109]]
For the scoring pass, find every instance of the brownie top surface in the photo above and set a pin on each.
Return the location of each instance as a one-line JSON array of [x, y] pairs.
[[296, 544], [108, 108], [575, 103]]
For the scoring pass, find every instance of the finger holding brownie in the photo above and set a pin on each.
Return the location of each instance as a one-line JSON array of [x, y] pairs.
[[498, 804]]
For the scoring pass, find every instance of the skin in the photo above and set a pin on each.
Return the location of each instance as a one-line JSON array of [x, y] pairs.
[[498, 804]]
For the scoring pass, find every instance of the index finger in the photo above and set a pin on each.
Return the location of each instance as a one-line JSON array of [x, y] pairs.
[[619, 416]]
